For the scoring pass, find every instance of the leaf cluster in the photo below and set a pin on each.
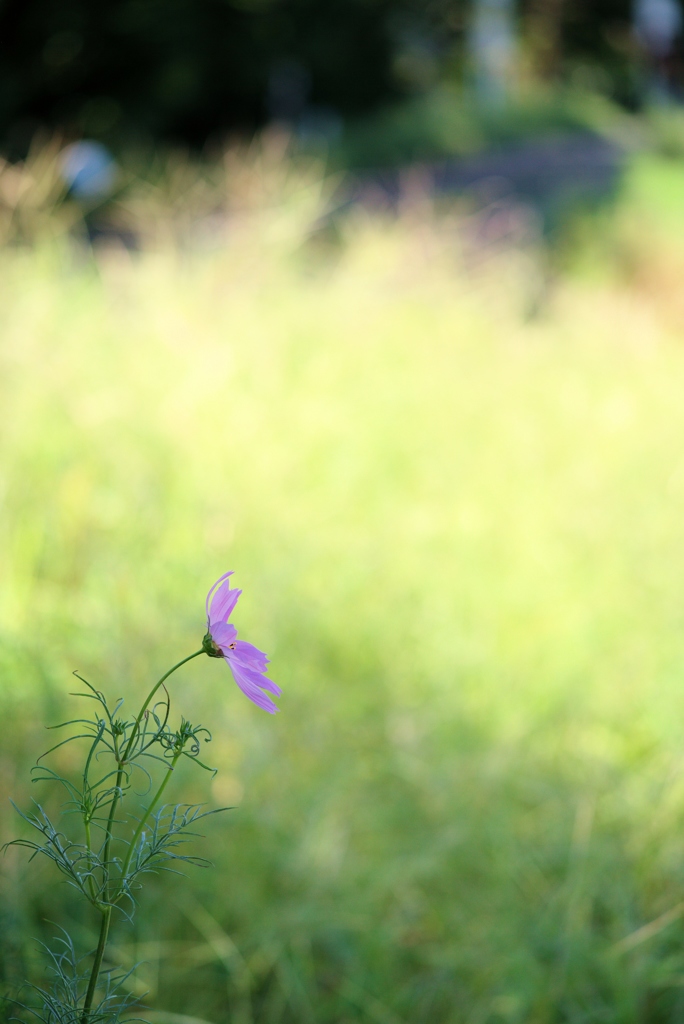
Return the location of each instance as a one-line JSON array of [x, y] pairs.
[[62, 1001], [105, 862]]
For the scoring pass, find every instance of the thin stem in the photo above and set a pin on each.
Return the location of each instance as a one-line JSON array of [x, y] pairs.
[[106, 908], [86, 819], [97, 964], [89, 847], [143, 709], [126, 754], [143, 821], [110, 825]]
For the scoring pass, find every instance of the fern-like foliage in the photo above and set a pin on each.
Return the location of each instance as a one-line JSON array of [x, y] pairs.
[[61, 1002], [102, 846]]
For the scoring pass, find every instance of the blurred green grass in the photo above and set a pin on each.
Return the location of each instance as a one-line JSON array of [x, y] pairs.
[[460, 535]]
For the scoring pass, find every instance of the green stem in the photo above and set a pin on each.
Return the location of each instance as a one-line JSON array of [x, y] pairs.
[[86, 819], [126, 753], [97, 964], [143, 821], [143, 709], [110, 826], [106, 908], [89, 847]]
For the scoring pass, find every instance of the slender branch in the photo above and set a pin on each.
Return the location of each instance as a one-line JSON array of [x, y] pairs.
[[86, 816], [143, 821], [97, 964], [106, 909], [89, 860], [143, 709], [127, 752]]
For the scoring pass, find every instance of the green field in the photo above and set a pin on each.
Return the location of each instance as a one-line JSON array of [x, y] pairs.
[[457, 514]]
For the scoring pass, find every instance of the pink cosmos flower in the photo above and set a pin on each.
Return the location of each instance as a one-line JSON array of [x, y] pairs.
[[247, 663]]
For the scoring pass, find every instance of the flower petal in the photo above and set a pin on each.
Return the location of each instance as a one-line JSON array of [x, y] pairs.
[[250, 656], [223, 634], [253, 675], [222, 603], [213, 588], [268, 684], [250, 687]]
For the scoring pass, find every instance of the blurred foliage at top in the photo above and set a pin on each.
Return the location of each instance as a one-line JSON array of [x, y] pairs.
[[144, 71]]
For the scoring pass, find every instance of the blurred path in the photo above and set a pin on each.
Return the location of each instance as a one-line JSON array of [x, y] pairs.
[[550, 174]]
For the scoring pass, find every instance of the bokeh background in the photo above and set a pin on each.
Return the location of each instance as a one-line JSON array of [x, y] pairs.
[[380, 304]]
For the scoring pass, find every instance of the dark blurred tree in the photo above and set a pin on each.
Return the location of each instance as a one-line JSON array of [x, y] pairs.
[[545, 21], [591, 37], [184, 69]]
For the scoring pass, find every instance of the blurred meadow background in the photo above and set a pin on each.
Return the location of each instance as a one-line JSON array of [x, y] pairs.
[[417, 376]]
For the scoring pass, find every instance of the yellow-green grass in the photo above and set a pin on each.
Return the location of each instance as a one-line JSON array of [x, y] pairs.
[[460, 535]]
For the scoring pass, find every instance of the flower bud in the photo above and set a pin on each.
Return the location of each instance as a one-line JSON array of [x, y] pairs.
[[210, 648]]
